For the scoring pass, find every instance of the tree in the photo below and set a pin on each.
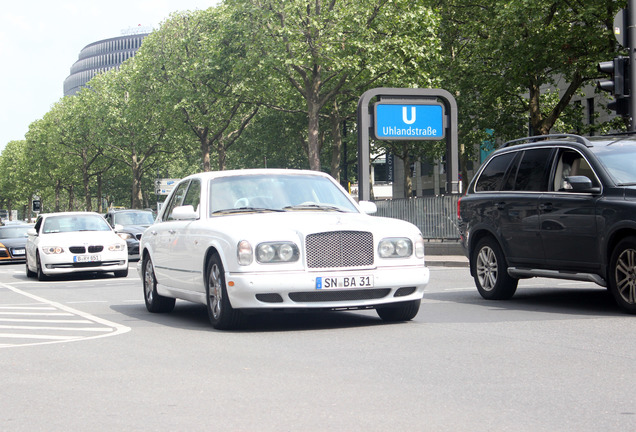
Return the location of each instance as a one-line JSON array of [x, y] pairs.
[[193, 57], [129, 122], [507, 58], [321, 50]]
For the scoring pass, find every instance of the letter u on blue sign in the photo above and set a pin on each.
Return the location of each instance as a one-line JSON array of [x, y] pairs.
[[409, 121]]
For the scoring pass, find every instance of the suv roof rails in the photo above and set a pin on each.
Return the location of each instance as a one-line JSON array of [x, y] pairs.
[[577, 138]]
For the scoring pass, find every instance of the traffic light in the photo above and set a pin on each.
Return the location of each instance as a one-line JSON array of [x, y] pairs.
[[618, 85]]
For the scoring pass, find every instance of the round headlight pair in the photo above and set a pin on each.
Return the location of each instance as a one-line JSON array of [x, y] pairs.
[[395, 248], [280, 252]]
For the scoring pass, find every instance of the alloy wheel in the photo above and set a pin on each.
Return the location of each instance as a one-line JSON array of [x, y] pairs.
[[487, 268]]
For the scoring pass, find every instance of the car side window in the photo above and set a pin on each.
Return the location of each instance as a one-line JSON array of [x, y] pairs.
[[193, 195], [491, 177], [175, 200], [572, 163], [533, 173]]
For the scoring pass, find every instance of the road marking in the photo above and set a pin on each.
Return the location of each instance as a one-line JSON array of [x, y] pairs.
[[37, 323]]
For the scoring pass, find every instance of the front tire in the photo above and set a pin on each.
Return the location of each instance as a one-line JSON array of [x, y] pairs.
[[490, 271], [121, 273], [40, 273], [403, 311], [155, 303], [29, 273], [622, 274], [221, 313]]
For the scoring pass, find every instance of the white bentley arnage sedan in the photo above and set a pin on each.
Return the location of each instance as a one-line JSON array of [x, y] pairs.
[[278, 239]]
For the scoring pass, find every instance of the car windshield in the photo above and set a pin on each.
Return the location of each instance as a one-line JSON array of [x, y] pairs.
[[70, 223], [276, 192], [14, 231], [619, 159], [141, 217]]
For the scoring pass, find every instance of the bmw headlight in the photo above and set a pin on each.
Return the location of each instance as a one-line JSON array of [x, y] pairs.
[[397, 247], [52, 250], [276, 252], [125, 235], [117, 247]]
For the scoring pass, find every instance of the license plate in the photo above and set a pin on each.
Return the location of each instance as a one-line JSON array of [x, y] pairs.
[[18, 251], [340, 282], [85, 258]]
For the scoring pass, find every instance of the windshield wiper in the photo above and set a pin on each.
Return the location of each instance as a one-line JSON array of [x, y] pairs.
[[246, 210], [314, 207]]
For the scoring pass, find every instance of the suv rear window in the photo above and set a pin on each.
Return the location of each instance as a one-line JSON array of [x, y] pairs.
[[533, 171], [492, 176], [528, 172]]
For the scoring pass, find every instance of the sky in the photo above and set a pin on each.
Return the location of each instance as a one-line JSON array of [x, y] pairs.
[[41, 39]]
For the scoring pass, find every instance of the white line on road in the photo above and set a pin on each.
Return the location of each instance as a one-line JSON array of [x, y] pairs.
[[108, 328]]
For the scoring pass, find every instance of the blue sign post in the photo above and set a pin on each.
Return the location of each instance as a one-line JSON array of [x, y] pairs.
[[401, 120]]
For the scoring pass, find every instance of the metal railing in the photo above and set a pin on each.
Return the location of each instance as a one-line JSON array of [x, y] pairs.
[[435, 216]]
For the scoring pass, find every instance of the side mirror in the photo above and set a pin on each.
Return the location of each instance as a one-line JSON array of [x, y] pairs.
[[582, 184], [32, 232], [368, 207], [118, 227], [185, 212]]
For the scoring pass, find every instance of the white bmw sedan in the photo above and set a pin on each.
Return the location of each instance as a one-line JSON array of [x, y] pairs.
[[278, 239], [74, 242]]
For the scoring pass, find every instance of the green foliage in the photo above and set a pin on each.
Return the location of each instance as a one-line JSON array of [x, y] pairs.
[[254, 83]]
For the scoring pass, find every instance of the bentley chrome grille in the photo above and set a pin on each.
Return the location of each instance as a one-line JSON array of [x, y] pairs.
[[340, 249]]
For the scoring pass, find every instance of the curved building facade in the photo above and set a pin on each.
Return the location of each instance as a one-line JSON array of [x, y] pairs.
[[101, 56]]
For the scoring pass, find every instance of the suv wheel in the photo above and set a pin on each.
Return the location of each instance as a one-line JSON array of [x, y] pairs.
[[490, 271], [622, 274]]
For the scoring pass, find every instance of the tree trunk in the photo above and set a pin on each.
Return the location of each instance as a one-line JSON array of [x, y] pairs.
[[336, 136], [136, 183], [313, 136], [58, 192], [86, 181]]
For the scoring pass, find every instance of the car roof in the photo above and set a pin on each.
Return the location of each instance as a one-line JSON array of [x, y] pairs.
[[587, 141], [74, 213]]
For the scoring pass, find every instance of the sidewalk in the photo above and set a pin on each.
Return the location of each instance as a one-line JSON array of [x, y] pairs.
[[446, 261], [444, 254]]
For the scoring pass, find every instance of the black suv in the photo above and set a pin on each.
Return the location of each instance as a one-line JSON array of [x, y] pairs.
[[557, 206]]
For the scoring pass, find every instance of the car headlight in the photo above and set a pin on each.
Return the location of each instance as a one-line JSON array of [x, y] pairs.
[[276, 252], [52, 250], [117, 247], [125, 235], [398, 247], [244, 253]]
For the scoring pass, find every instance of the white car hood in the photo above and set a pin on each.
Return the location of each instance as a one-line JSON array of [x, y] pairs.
[[79, 238], [308, 222]]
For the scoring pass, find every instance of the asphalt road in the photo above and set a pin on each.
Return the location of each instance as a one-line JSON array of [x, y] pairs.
[[83, 354]]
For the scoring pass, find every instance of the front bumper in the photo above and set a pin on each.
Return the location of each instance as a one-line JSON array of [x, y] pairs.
[[62, 264], [288, 290]]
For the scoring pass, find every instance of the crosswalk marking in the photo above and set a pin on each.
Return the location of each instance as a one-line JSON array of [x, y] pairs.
[[41, 321]]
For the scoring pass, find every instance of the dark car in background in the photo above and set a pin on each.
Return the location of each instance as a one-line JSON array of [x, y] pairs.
[[558, 206], [130, 225], [13, 239]]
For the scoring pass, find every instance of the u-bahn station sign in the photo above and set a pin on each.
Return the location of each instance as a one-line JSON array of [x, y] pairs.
[[407, 114], [404, 120]]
